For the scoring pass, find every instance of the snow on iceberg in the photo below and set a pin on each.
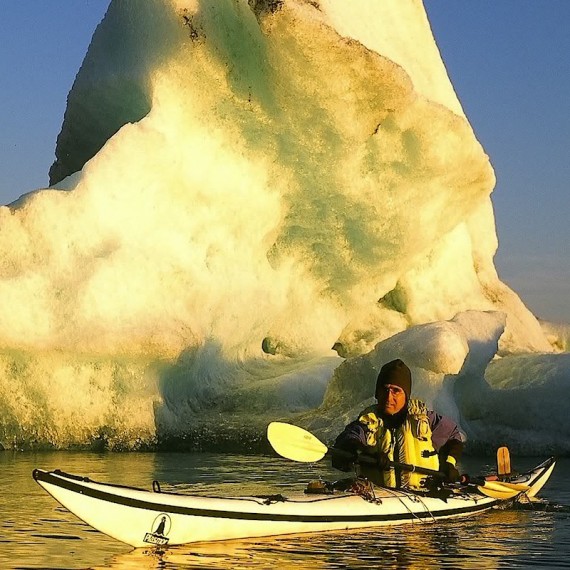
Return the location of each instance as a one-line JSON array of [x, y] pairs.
[[239, 187]]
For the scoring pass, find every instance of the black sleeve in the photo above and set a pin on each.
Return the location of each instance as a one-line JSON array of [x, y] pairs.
[[453, 447], [446, 436], [352, 440]]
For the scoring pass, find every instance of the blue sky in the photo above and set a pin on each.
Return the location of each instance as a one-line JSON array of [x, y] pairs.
[[509, 61], [43, 43]]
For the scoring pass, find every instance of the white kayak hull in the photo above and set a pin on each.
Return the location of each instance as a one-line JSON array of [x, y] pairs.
[[141, 518]]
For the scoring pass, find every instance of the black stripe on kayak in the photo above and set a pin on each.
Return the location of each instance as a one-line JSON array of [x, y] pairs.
[[51, 479]]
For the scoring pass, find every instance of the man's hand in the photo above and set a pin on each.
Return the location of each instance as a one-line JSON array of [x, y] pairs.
[[383, 461], [450, 472], [345, 459]]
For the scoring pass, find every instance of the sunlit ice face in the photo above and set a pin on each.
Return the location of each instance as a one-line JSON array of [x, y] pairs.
[[391, 398]]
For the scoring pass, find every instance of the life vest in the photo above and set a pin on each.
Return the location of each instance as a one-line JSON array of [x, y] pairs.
[[409, 443]]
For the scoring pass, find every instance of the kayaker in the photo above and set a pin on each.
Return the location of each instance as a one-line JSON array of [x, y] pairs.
[[399, 429]]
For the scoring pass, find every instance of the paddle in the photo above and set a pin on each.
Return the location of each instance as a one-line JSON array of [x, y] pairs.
[[297, 444]]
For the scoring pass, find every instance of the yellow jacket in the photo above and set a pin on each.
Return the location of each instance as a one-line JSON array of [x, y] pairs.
[[408, 443]]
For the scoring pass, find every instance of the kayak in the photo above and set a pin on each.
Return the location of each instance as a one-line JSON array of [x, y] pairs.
[[140, 517]]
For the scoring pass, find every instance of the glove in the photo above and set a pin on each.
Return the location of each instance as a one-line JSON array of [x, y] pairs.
[[349, 443], [450, 472], [345, 460], [383, 461]]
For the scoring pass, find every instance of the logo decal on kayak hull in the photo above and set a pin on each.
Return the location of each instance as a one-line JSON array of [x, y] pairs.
[[159, 530]]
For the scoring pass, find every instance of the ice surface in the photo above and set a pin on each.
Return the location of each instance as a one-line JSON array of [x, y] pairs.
[[558, 334], [523, 404], [242, 186]]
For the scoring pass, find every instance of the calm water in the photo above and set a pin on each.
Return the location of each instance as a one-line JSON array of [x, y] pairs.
[[36, 533]]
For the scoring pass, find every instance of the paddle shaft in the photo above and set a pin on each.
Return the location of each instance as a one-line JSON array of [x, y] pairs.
[[465, 480], [395, 464]]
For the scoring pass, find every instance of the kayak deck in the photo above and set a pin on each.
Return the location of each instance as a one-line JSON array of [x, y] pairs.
[[139, 517]]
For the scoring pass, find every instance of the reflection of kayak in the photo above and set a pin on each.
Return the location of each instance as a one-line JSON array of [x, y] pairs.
[[139, 518]]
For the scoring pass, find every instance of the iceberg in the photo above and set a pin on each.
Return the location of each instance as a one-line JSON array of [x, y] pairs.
[[253, 203]]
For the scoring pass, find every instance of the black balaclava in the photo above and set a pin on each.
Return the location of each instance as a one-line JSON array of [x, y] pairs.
[[398, 374]]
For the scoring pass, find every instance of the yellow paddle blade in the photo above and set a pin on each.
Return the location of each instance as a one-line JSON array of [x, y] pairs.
[[500, 485], [503, 495], [295, 443], [503, 461], [503, 491]]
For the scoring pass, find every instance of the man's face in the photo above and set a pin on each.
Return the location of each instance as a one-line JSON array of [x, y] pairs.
[[391, 398]]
